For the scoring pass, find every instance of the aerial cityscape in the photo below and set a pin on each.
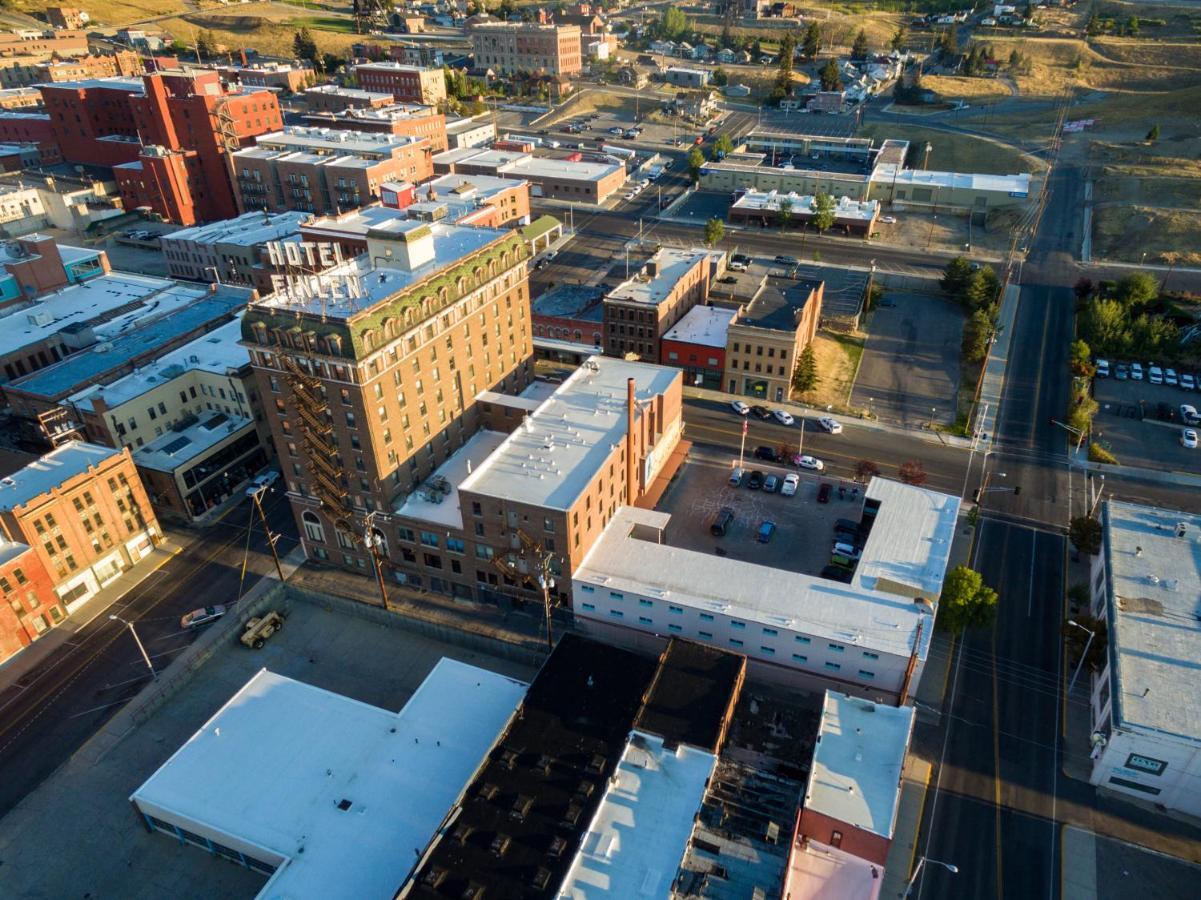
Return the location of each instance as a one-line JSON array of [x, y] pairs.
[[526, 449]]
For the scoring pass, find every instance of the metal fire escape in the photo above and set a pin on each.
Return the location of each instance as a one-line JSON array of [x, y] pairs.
[[59, 426], [226, 126], [321, 449]]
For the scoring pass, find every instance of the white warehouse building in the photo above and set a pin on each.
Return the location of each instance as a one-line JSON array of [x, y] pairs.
[[1146, 715], [868, 638]]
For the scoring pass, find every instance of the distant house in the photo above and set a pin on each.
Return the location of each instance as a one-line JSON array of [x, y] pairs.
[[726, 55], [663, 48]]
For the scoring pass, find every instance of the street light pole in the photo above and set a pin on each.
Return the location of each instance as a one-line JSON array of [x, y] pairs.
[[800, 447], [953, 869], [1083, 656], [137, 640], [742, 448]]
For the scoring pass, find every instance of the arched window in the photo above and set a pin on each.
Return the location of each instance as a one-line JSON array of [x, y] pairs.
[[313, 529]]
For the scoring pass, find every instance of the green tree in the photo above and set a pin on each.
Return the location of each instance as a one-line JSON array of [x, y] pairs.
[[784, 213], [1132, 26], [1081, 413], [206, 44], [977, 332], [303, 45], [1136, 289], [1153, 134], [898, 39], [983, 288], [812, 41], [696, 161], [715, 230], [722, 147], [948, 42], [783, 85], [804, 375], [1085, 534], [823, 211], [831, 77], [1105, 324], [1152, 335], [956, 277], [720, 78], [967, 602], [674, 25], [1080, 357], [859, 48]]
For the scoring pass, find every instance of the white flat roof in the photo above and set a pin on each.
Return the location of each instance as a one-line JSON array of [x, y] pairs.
[[638, 835], [302, 137], [217, 352], [80, 303], [672, 265], [357, 222], [246, 230], [844, 207], [273, 764], [557, 452], [817, 871], [705, 326], [1011, 184], [429, 504], [60, 464], [856, 772], [1154, 632], [173, 449], [870, 612], [543, 167]]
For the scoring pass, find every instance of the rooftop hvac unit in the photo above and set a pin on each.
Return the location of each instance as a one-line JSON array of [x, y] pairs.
[[40, 318]]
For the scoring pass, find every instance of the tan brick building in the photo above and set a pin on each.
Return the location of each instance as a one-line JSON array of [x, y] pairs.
[[512, 47], [641, 310], [764, 341], [371, 379]]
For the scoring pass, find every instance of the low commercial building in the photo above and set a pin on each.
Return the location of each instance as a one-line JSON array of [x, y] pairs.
[[36, 264], [559, 179], [697, 344], [762, 208], [687, 78], [478, 131], [335, 98], [408, 84], [18, 126], [1146, 718], [83, 510], [404, 119], [70, 202], [530, 47], [869, 638], [642, 309], [30, 72], [571, 312], [951, 191], [288, 78], [20, 98], [328, 778], [227, 251], [30, 608], [767, 337]]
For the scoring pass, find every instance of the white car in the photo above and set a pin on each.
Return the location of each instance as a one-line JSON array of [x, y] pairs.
[[1187, 382], [736, 477], [831, 425], [811, 462], [1136, 371], [782, 417], [741, 408], [1169, 377], [198, 617], [1188, 438], [1188, 414], [262, 482], [1155, 374], [888, 220], [791, 482]]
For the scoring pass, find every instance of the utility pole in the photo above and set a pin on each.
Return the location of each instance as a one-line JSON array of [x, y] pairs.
[[257, 498], [373, 542], [800, 447], [539, 561]]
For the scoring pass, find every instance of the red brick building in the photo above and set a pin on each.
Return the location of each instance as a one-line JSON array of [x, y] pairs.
[[91, 120], [697, 344], [31, 128], [408, 84], [405, 119], [84, 517]]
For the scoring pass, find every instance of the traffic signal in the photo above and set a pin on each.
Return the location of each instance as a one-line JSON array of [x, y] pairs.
[[1017, 489]]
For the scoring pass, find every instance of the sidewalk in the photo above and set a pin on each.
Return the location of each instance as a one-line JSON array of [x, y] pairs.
[[33, 657], [998, 358], [902, 853], [933, 437]]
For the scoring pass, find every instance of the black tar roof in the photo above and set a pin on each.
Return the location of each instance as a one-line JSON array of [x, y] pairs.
[[693, 695], [777, 306], [520, 821]]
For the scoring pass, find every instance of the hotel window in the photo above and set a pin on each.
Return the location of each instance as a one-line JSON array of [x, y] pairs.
[[646, 603], [706, 617], [867, 654], [796, 657], [734, 623], [837, 648], [429, 539], [833, 666], [734, 642], [706, 635], [864, 673], [770, 651], [677, 610], [644, 620], [616, 613], [616, 595], [770, 632], [801, 640], [674, 628], [589, 606]]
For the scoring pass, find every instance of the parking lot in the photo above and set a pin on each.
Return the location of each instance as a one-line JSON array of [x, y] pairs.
[[704, 205], [1140, 424], [909, 374], [804, 527]]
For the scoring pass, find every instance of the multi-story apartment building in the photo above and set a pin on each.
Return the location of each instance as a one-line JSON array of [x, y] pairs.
[[640, 311], [405, 119], [92, 121], [286, 77], [371, 373], [83, 510], [408, 84], [324, 171], [226, 251], [45, 43], [512, 47], [335, 98], [20, 98], [30, 607], [23, 72], [768, 335], [67, 17], [22, 126]]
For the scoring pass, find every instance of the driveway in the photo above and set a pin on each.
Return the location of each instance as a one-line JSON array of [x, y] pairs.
[[909, 373]]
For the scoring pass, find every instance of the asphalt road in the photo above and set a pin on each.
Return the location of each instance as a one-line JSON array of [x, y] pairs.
[[72, 694]]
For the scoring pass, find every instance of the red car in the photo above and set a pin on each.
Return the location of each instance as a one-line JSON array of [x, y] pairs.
[[700, 139], [823, 493]]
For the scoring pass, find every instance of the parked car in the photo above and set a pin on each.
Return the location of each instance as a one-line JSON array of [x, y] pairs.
[[792, 481], [761, 411], [1121, 371], [739, 407], [771, 484], [1154, 374], [846, 551], [1136, 371], [754, 481], [831, 425], [261, 482], [739, 262], [784, 418], [616, 129], [767, 454], [888, 220], [887, 303], [1102, 368], [1187, 382], [198, 617], [823, 492], [1188, 438], [736, 477], [848, 525], [787, 260], [722, 522], [811, 462], [1188, 414], [766, 530], [838, 573], [1170, 379]]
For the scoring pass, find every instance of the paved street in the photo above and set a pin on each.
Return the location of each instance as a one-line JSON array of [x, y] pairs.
[[61, 703]]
